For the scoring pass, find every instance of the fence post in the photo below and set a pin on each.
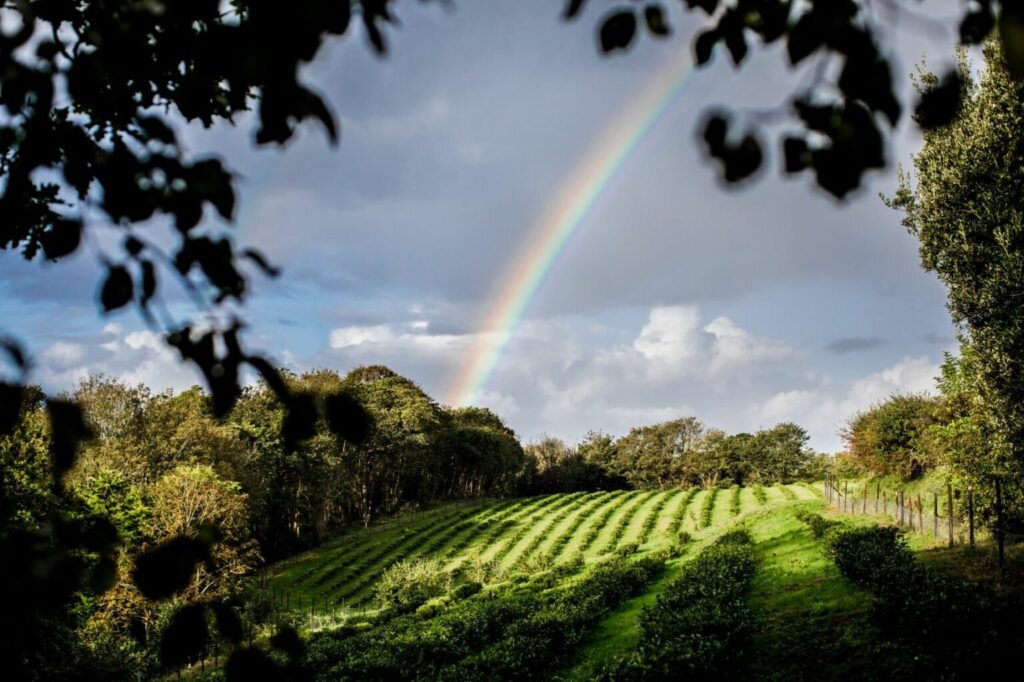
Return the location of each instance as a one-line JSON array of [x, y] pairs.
[[935, 514], [885, 501], [1000, 535], [878, 490], [920, 514], [970, 513], [846, 495], [899, 506], [949, 510], [864, 510]]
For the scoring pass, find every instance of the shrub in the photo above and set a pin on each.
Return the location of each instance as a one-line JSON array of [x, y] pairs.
[[700, 625], [410, 583], [818, 523], [466, 590], [708, 508]]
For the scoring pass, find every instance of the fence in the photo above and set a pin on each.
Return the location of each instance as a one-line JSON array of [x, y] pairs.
[[921, 512]]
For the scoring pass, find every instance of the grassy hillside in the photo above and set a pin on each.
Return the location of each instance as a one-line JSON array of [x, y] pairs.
[[609, 585], [516, 535]]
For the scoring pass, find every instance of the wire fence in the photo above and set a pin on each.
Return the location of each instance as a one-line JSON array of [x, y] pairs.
[[932, 512]]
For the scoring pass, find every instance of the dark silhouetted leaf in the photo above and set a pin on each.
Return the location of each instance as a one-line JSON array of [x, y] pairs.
[[704, 46], [246, 665], [68, 429], [938, 105], [133, 246], [148, 281], [796, 153], [117, 288], [62, 238], [14, 352], [300, 419], [288, 641], [228, 623], [654, 17], [347, 418], [185, 636], [11, 397], [617, 31], [805, 38], [168, 568], [1011, 30], [976, 26], [104, 575], [573, 8], [270, 375]]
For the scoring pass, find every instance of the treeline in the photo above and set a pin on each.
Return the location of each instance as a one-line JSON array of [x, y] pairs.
[[678, 453], [906, 436], [165, 471]]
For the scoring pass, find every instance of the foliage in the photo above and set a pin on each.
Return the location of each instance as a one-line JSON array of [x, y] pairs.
[[891, 437], [963, 627], [700, 625], [410, 583]]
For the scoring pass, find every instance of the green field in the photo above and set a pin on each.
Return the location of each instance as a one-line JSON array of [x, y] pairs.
[[581, 584], [514, 533]]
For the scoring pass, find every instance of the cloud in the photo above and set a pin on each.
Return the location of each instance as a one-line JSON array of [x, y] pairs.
[[855, 344]]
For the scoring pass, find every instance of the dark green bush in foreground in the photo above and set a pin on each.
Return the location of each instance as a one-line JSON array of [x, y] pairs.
[[961, 628], [700, 626]]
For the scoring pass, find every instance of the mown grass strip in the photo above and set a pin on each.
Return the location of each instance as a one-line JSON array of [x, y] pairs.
[[588, 533], [541, 532], [650, 521], [554, 551], [520, 530], [618, 530], [679, 515]]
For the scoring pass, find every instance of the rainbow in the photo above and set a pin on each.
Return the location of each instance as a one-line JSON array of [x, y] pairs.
[[560, 219]]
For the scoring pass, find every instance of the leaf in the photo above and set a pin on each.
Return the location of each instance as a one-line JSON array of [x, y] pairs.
[[249, 664], [704, 45], [209, 181], [156, 129], [228, 623], [11, 398], [654, 17], [62, 239], [736, 42], [148, 281], [572, 9], [796, 153], [14, 351], [1011, 30], [185, 636], [271, 376], [68, 430], [347, 418], [617, 31], [374, 34], [939, 105], [299, 421], [976, 25], [805, 38], [168, 568], [104, 575], [117, 288], [743, 160], [288, 641]]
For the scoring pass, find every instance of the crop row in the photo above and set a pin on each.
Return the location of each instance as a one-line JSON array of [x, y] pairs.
[[651, 520], [734, 503], [679, 515], [601, 520], [475, 528], [759, 494], [541, 532], [567, 534], [619, 529], [520, 531], [707, 509], [494, 626], [700, 626]]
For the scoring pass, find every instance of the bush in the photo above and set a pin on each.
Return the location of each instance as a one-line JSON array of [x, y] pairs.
[[700, 625], [466, 590], [818, 523], [410, 583]]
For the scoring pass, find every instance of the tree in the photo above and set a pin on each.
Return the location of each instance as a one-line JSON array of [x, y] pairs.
[[965, 204], [781, 452], [891, 438]]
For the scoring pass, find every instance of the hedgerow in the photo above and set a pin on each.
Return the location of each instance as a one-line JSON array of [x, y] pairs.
[[734, 502], [563, 538], [615, 502], [960, 627], [620, 527], [759, 494], [679, 516], [700, 626], [651, 520]]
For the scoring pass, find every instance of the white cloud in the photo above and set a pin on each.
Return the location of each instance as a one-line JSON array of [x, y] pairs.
[[346, 337]]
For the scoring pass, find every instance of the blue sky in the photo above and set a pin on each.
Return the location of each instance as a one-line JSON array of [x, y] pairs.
[[675, 297]]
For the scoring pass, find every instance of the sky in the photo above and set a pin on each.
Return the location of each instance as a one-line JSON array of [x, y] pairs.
[[675, 296]]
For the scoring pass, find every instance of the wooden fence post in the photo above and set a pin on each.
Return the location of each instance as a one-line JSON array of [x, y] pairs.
[[935, 514], [885, 501], [878, 490], [920, 514], [970, 513], [899, 506], [1000, 535], [949, 510], [846, 495], [864, 510]]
